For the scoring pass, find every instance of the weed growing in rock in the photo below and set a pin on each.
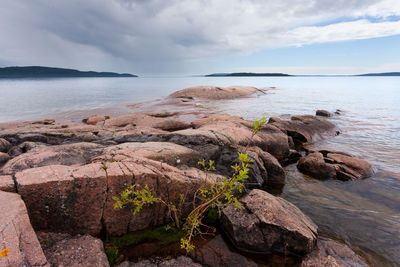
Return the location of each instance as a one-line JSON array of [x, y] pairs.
[[216, 197]]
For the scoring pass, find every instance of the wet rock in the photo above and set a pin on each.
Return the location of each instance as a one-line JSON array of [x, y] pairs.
[[306, 128], [7, 183], [4, 145], [17, 235], [181, 261], [170, 153], [215, 92], [70, 154], [267, 224], [4, 157], [330, 253], [217, 253], [323, 113], [66, 250], [64, 198], [93, 120], [275, 173], [327, 165]]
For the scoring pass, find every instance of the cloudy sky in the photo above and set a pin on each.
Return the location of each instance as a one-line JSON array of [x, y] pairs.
[[183, 37]]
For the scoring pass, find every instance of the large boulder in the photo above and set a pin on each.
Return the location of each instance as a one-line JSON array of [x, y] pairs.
[[330, 253], [305, 128], [64, 198], [215, 92], [80, 199], [70, 154], [267, 224], [66, 250], [17, 235], [334, 165]]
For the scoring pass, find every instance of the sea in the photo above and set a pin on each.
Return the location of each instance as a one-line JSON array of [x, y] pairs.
[[365, 214]]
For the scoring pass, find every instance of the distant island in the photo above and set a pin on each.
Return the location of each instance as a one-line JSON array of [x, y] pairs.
[[381, 74], [246, 74], [48, 72]]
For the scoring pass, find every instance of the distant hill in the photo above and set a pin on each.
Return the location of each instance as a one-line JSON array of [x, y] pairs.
[[381, 74], [48, 72], [246, 74]]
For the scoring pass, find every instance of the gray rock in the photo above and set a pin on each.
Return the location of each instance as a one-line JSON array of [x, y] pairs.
[[323, 113], [267, 224], [4, 145], [4, 157], [178, 262]]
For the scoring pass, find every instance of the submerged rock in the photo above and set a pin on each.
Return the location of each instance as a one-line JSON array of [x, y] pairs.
[[66, 250], [267, 224], [215, 92], [17, 235], [334, 165], [323, 113], [330, 253]]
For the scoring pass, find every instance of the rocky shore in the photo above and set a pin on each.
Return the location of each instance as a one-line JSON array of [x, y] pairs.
[[57, 182]]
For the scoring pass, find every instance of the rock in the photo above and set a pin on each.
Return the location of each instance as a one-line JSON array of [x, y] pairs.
[[215, 92], [4, 145], [4, 157], [66, 250], [17, 235], [181, 261], [275, 173], [336, 165], [7, 183], [93, 120], [323, 113], [64, 198], [217, 253], [170, 153], [143, 120], [267, 224], [306, 128], [71, 154], [330, 253], [164, 180]]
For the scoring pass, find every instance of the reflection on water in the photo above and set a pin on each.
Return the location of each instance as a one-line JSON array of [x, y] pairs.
[[364, 213]]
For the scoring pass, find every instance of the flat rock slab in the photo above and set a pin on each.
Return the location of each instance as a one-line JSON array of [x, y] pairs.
[[330, 253], [70, 154], [79, 251], [215, 92], [267, 224], [181, 261], [17, 235], [334, 165]]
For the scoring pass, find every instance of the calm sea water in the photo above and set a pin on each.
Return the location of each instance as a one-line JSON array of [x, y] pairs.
[[364, 214]]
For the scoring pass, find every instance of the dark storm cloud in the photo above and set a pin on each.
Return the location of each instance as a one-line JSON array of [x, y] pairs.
[[153, 36]]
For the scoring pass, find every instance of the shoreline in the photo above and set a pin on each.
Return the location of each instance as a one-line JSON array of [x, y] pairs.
[[139, 136]]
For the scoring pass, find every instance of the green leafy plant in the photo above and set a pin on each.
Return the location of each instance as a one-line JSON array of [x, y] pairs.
[[216, 197]]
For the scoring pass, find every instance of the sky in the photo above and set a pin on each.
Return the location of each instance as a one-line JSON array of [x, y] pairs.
[[189, 37]]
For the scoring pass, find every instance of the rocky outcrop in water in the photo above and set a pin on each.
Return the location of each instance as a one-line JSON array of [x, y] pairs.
[[67, 174], [334, 165], [215, 92]]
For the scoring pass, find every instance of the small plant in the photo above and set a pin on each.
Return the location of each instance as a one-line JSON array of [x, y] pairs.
[[207, 200]]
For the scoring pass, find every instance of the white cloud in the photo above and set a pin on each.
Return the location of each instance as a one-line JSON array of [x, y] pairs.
[[158, 35]]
